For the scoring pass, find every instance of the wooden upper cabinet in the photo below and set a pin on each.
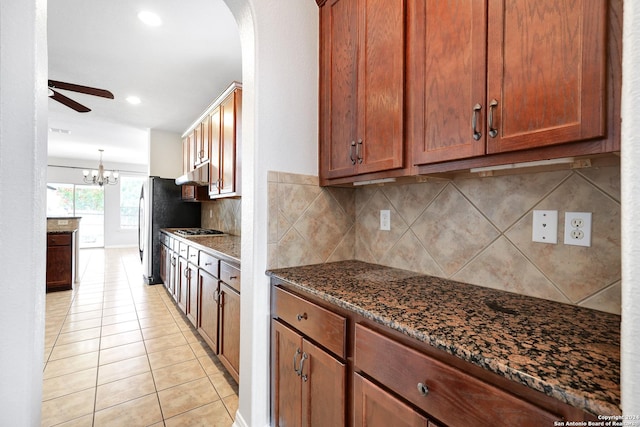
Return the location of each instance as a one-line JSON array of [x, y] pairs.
[[202, 135], [446, 78], [214, 161], [544, 84], [228, 131], [547, 72], [224, 164], [361, 86], [187, 144]]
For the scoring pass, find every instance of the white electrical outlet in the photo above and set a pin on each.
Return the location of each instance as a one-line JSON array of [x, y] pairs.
[[385, 220], [545, 227], [577, 228]]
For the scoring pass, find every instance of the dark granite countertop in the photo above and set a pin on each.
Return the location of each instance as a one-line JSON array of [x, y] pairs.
[[567, 352], [224, 246]]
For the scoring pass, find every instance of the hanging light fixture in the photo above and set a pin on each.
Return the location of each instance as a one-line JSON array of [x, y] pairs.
[[101, 176]]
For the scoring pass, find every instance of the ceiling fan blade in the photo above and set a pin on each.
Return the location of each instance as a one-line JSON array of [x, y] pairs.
[[69, 102], [81, 89]]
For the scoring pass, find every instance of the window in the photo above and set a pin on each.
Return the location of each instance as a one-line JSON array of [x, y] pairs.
[[130, 187], [85, 201]]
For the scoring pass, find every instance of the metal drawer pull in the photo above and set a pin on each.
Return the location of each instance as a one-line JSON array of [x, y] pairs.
[[301, 316], [358, 148], [353, 144], [216, 295], [423, 389], [208, 263], [295, 356], [233, 277], [474, 122], [493, 132], [304, 357]]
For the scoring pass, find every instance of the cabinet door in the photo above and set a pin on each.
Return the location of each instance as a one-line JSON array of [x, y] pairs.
[[374, 407], [59, 267], [446, 78], [209, 295], [323, 388], [286, 352], [197, 145], [228, 145], [185, 154], [229, 345], [214, 161], [380, 138], [338, 87], [362, 86], [182, 284], [546, 72], [191, 309]]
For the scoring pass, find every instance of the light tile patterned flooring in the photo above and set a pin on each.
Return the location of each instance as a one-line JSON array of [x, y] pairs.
[[119, 353]]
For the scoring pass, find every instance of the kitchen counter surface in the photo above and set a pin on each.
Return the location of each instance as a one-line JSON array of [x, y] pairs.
[[567, 352], [224, 246]]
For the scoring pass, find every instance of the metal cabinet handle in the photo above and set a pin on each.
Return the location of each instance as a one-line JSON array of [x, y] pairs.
[[216, 295], [304, 357], [353, 144], [493, 132], [301, 316], [295, 356], [233, 277], [423, 389], [474, 122], [208, 263], [358, 151]]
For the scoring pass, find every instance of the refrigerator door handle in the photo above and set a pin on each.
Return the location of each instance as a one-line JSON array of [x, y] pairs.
[[141, 224]]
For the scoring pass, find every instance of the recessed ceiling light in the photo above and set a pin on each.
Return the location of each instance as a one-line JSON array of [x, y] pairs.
[[150, 18], [133, 100]]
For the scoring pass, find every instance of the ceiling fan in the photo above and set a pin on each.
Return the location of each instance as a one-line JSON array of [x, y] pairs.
[[75, 88]]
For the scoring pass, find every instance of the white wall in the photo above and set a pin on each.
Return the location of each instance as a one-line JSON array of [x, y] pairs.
[[165, 154], [68, 171], [280, 132], [23, 153], [630, 174]]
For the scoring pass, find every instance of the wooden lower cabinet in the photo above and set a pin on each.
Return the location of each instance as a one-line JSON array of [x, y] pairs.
[[182, 282], [192, 294], [229, 328], [331, 366], [208, 309], [309, 383], [374, 407], [59, 261]]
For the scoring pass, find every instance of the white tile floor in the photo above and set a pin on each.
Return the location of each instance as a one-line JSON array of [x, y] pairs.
[[119, 353]]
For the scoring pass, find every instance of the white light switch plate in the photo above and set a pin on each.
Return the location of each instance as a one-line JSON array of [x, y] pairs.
[[545, 227]]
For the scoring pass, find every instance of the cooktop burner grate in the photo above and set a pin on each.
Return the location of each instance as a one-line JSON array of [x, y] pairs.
[[197, 232]]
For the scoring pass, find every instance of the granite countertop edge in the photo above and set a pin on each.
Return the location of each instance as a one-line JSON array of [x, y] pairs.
[[592, 402], [225, 247]]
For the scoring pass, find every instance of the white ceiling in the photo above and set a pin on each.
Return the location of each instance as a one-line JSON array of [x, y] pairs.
[[176, 69]]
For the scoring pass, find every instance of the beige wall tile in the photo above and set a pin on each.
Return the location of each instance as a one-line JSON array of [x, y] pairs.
[[453, 231], [476, 230]]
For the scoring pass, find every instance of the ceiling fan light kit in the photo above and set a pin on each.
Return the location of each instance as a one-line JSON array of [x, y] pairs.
[[101, 177]]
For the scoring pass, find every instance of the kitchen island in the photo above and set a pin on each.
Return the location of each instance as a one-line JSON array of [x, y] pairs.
[[63, 250], [563, 351]]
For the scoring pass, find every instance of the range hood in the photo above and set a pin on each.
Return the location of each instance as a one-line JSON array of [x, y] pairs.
[[198, 176]]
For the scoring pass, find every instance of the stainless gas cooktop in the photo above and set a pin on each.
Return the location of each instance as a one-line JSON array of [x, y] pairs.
[[194, 232]]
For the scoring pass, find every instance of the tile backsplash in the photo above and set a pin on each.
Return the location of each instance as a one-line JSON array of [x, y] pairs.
[[222, 214], [474, 230]]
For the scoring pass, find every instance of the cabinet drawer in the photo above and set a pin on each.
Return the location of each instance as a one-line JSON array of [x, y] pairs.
[[326, 328], [192, 255], [164, 239], [230, 275], [183, 250], [210, 264], [59, 239], [452, 396]]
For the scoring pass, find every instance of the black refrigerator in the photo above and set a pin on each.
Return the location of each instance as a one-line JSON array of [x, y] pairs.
[[161, 206]]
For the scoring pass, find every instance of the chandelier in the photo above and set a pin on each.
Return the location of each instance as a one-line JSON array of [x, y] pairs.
[[100, 176]]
